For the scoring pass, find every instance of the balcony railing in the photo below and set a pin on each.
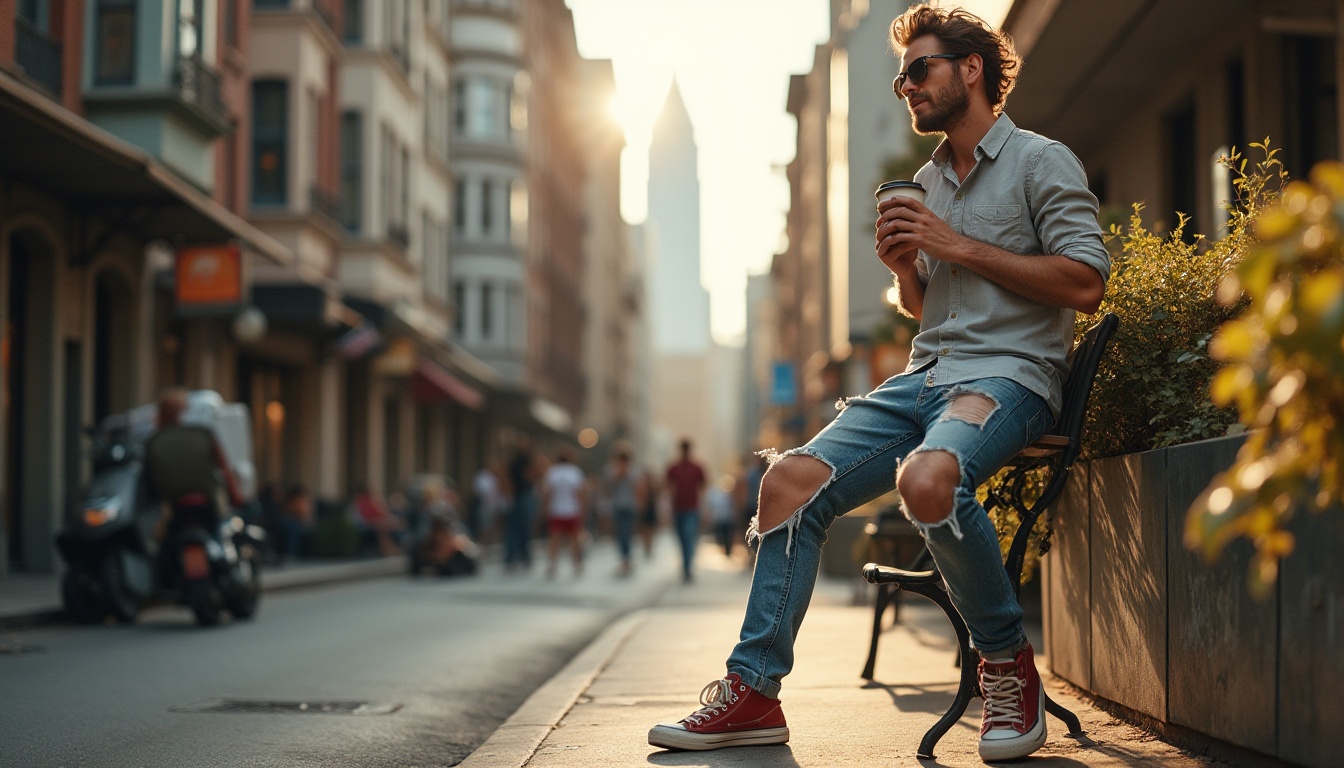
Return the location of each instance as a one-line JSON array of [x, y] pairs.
[[325, 203], [39, 55], [198, 86]]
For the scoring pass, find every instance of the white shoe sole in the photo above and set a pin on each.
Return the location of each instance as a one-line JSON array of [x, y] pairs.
[[992, 750], [675, 737]]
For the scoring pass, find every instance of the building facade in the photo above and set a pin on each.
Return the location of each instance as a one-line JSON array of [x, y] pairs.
[[323, 162]]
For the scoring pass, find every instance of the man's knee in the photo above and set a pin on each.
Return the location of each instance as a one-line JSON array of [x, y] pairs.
[[927, 482], [789, 484]]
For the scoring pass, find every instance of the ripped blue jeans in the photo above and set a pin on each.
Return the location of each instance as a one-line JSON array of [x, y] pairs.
[[864, 447]]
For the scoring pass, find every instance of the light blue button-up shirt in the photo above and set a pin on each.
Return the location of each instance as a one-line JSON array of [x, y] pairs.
[[1026, 194]]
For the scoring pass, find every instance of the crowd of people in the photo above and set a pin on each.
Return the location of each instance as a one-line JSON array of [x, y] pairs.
[[534, 504]]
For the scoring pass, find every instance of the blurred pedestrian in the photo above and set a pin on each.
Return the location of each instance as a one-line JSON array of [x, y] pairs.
[[722, 515], [518, 527], [624, 491], [648, 512], [685, 483], [489, 503], [296, 514], [564, 497], [377, 520]]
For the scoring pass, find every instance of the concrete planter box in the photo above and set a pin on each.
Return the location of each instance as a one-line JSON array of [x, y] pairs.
[[1134, 617]]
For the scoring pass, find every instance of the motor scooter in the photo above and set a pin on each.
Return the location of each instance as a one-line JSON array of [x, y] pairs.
[[123, 552]]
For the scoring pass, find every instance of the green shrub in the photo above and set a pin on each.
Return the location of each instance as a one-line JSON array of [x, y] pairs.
[[1152, 388]]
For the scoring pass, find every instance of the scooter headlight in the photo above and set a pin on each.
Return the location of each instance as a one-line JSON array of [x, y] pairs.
[[101, 512]]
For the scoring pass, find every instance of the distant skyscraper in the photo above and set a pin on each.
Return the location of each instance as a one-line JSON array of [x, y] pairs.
[[679, 302]]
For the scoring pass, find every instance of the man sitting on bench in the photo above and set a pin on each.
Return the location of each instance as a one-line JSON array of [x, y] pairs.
[[994, 264]]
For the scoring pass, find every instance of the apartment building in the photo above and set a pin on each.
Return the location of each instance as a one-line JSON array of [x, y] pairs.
[[112, 114]]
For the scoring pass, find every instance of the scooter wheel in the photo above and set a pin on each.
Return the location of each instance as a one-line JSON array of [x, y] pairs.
[[203, 600], [243, 602], [83, 600], [123, 604]]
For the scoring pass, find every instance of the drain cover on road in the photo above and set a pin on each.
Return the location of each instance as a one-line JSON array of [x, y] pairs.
[[273, 707]]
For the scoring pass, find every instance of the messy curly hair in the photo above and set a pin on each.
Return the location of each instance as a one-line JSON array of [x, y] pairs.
[[964, 33]]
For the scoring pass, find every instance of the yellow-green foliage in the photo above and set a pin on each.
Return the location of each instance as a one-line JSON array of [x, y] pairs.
[[1284, 373], [1152, 388]]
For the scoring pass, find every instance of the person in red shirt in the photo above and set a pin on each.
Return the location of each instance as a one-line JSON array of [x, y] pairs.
[[685, 482]]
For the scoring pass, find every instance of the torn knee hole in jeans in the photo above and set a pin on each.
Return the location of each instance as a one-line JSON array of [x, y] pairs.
[[951, 520], [970, 406], [754, 532]]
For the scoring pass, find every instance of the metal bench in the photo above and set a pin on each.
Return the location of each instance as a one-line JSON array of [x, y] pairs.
[[1054, 454]]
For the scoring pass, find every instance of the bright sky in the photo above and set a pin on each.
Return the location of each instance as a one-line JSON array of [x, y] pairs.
[[732, 59]]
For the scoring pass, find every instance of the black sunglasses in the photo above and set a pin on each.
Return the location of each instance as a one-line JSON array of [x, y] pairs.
[[919, 69]]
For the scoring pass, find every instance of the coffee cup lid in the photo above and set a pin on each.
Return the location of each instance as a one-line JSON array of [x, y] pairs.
[[898, 185]]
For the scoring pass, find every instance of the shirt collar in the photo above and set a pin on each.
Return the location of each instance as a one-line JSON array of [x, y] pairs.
[[989, 146]]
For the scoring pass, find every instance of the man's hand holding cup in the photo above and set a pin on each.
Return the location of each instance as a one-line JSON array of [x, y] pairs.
[[894, 254]]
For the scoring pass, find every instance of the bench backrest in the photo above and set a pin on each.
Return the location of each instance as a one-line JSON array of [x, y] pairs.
[[1085, 358]]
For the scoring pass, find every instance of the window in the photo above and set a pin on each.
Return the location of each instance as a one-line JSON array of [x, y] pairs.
[[394, 177], [36, 12], [270, 104], [487, 208], [397, 31], [459, 304], [485, 109], [1312, 121], [487, 311], [190, 28], [1183, 165], [460, 105], [114, 57], [352, 170], [460, 208], [352, 22]]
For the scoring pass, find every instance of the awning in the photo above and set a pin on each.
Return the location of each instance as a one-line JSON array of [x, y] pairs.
[[52, 149], [431, 383]]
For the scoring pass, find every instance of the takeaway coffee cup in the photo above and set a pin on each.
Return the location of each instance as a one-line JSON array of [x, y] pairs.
[[899, 189]]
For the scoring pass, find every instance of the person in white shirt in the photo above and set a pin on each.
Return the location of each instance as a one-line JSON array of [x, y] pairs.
[[564, 497]]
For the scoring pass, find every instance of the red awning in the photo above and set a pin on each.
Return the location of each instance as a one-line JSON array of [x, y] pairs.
[[431, 383]]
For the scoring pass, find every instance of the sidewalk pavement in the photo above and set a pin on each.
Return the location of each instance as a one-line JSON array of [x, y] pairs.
[[650, 666], [31, 600]]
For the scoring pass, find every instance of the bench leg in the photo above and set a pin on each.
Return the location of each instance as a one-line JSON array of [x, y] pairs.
[[967, 688], [886, 593], [1065, 716]]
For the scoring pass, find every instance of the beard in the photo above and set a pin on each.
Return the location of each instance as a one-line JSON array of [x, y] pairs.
[[947, 107]]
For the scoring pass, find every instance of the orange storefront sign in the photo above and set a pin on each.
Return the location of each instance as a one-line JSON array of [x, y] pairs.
[[209, 277]]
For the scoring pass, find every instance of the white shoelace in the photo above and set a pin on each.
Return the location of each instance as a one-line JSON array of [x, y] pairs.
[[1003, 698], [715, 696]]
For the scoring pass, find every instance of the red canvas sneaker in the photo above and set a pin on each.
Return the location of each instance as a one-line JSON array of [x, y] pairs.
[[1014, 714], [733, 715]]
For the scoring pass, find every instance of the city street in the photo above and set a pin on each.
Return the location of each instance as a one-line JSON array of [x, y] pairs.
[[408, 672]]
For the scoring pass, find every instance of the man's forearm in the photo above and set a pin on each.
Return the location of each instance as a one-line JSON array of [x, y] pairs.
[[1049, 279]]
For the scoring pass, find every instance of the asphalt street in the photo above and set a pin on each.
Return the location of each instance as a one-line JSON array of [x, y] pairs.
[[388, 672]]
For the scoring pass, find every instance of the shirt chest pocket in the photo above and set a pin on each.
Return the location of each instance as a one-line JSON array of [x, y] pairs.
[[999, 225]]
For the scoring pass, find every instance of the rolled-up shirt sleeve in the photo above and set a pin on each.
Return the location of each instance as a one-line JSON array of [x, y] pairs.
[[1064, 210]]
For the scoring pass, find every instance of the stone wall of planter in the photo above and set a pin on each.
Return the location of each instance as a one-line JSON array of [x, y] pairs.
[[1134, 617]]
